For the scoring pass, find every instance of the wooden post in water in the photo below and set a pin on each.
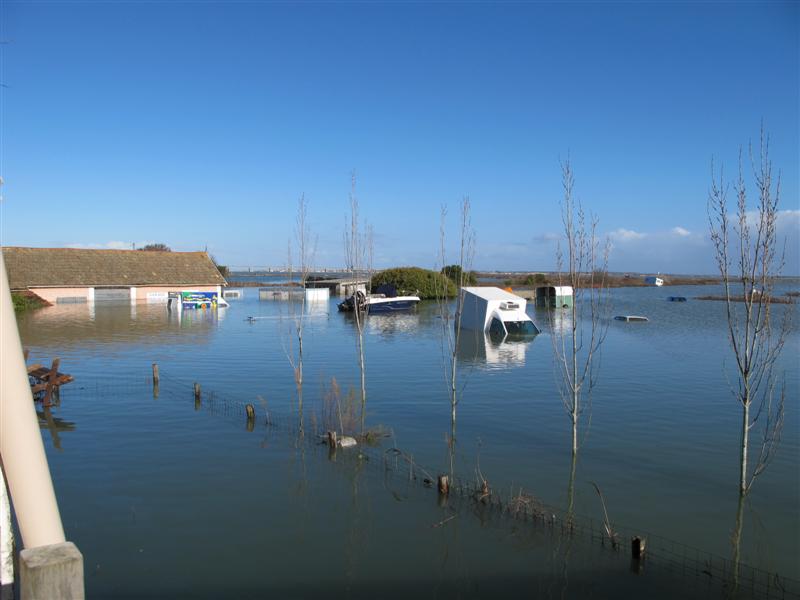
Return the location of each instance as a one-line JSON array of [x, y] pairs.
[[637, 554], [443, 485], [637, 547], [155, 380], [51, 380], [197, 396], [332, 444], [251, 416]]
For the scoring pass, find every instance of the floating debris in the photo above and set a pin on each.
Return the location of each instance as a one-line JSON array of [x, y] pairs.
[[630, 318], [347, 442]]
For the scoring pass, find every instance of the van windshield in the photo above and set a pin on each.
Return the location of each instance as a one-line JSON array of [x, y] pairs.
[[521, 328], [496, 328]]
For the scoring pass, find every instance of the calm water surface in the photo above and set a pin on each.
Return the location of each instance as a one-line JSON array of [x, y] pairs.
[[163, 499]]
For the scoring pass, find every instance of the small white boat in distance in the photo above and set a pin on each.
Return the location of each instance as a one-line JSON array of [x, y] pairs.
[[496, 311], [630, 318]]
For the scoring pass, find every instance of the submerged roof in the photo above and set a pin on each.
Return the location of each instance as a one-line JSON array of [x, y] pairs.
[[558, 290], [75, 267], [492, 293]]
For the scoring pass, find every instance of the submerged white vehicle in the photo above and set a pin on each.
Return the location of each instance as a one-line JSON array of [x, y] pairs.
[[496, 311]]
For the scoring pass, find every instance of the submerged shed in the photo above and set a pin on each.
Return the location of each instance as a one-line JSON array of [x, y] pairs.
[[554, 296]]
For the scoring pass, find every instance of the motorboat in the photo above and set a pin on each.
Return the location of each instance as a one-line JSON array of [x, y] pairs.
[[383, 300]]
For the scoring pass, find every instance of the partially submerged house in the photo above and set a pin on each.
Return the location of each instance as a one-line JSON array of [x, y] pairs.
[[73, 275]]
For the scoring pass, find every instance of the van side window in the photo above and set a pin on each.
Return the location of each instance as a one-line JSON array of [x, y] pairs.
[[496, 328]]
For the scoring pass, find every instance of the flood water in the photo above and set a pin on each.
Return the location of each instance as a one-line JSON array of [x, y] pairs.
[[164, 497]]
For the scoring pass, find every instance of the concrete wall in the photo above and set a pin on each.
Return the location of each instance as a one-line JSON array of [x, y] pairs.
[[53, 294], [138, 293]]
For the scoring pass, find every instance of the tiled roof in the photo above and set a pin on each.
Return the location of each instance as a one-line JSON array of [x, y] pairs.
[[68, 267]]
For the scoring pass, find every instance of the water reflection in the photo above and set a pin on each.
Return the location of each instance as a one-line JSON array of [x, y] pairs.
[[317, 306], [480, 349], [391, 324], [54, 425], [66, 326], [558, 320]]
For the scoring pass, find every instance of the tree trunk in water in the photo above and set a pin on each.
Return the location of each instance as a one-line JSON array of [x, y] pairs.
[[300, 409], [451, 450], [453, 395], [452, 422], [299, 378], [736, 542], [571, 489], [745, 435], [576, 398], [363, 380], [574, 415]]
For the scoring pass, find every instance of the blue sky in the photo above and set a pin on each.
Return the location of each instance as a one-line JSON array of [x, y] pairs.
[[199, 124]]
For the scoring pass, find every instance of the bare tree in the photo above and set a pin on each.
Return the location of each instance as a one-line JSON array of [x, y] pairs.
[[746, 250], [451, 324], [305, 253], [577, 341], [358, 250]]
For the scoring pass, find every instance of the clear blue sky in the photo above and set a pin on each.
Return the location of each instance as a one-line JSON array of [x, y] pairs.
[[200, 123]]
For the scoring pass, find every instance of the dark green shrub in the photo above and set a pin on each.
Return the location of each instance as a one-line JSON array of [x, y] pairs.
[[415, 281], [453, 272], [26, 301]]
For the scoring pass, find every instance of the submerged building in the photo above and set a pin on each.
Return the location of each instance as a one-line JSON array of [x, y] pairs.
[[73, 275]]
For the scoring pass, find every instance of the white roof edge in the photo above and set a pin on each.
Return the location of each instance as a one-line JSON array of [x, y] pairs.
[[492, 293]]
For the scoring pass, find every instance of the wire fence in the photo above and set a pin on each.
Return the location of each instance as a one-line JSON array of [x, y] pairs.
[[468, 495]]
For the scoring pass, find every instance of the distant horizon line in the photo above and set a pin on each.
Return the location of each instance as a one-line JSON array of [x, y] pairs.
[[255, 271]]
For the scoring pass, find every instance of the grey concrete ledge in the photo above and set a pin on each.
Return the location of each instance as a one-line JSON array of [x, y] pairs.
[[50, 572]]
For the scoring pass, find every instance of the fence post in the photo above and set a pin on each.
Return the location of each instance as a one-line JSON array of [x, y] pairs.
[[155, 380]]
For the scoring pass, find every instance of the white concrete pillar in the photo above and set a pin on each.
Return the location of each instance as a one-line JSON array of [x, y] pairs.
[[21, 446], [6, 544]]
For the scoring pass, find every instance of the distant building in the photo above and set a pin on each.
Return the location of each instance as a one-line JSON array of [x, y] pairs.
[[70, 275], [654, 281]]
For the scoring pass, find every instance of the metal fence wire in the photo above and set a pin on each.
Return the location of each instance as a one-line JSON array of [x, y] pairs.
[[501, 508]]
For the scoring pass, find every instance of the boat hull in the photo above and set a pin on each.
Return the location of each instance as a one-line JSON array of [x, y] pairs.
[[392, 306]]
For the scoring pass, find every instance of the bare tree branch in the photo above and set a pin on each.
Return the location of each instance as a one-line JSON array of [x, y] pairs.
[[756, 345], [576, 343]]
